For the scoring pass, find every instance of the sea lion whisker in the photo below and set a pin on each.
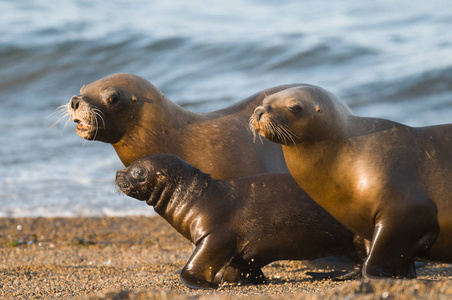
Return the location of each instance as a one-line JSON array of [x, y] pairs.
[[269, 128], [287, 134], [283, 135], [290, 131], [97, 113], [279, 130], [260, 138], [274, 129], [253, 130], [60, 109], [65, 115], [287, 131], [98, 110], [255, 134], [96, 125], [251, 127], [65, 124], [93, 120], [100, 114], [264, 127], [59, 119]]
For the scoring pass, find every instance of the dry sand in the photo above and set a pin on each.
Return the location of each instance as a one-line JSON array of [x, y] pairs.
[[139, 258]]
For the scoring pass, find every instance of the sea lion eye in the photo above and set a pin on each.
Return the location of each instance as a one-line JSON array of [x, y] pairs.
[[295, 108], [113, 99], [139, 173]]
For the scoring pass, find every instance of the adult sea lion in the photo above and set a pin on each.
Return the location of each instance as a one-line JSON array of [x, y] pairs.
[[387, 182], [239, 225], [137, 119]]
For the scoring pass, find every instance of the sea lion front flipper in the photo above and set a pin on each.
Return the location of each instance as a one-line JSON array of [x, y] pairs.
[[396, 243], [205, 268]]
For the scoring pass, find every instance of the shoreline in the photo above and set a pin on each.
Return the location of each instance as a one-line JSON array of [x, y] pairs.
[[139, 258]]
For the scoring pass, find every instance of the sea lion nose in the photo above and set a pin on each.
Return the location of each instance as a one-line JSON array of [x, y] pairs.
[[119, 174], [261, 110], [75, 102], [120, 179], [258, 112]]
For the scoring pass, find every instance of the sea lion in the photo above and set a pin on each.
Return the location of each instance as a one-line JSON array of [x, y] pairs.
[[137, 119], [385, 181], [239, 225]]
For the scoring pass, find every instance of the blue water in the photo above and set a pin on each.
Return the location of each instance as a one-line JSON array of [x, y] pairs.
[[390, 59]]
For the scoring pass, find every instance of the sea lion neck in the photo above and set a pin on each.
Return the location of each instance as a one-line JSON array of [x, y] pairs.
[[157, 123], [177, 198]]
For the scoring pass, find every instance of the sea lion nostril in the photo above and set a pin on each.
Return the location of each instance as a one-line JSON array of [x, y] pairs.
[[75, 102], [258, 113]]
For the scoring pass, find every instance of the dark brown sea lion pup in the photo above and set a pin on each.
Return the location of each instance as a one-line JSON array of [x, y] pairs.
[[239, 225], [385, 181], [137, 119]]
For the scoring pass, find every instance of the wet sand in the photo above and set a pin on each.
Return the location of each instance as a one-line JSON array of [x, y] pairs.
[[139, 258]]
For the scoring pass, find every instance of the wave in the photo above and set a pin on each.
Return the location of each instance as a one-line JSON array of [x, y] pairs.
[[203, 57], [428, 84]]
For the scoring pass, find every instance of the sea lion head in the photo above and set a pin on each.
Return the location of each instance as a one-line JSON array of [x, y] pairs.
[[135, 181], [106, 109], [298, 114], [148, 177]]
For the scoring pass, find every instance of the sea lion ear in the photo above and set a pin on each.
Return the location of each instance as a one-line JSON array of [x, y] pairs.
[[134, 99], [318, 109]]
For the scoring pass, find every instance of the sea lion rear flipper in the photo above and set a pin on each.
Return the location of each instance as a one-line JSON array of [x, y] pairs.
[[205, 268]]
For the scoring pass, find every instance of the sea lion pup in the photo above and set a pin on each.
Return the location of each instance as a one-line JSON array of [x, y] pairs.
[[237, 226], [137, 119], [385, 181]]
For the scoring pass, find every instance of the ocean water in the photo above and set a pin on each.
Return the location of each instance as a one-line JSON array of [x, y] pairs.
[[384, 58]]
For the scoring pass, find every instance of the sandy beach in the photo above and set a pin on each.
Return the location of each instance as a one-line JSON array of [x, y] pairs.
[[139, 258]]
